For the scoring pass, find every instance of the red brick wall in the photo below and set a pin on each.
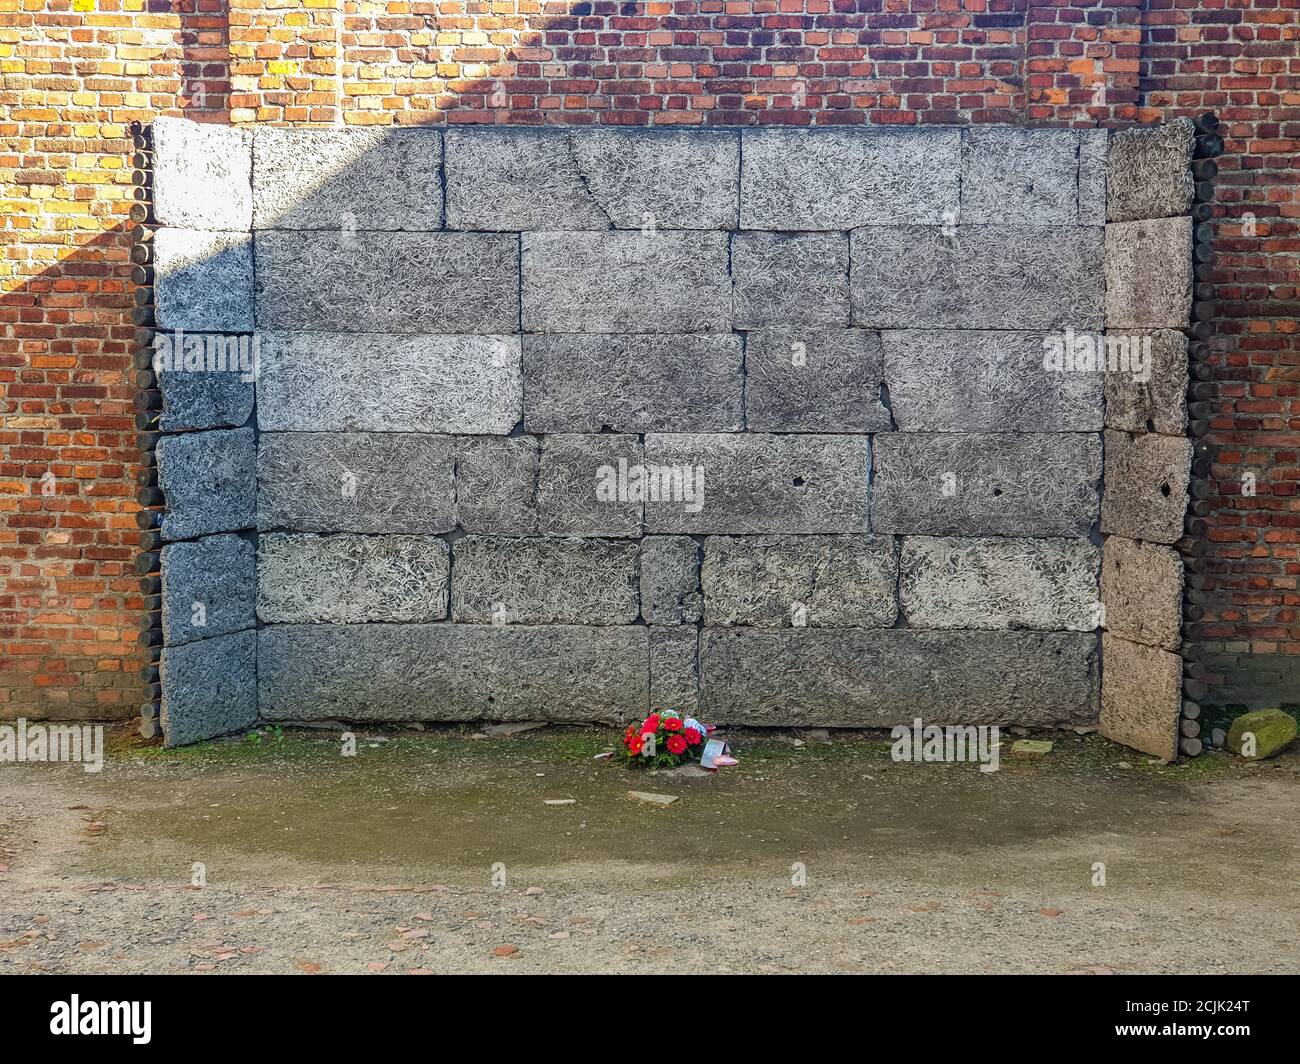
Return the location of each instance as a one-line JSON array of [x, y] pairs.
[[77, 71]]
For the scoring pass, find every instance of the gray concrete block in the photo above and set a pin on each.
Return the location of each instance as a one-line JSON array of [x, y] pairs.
[[388, 282], [524, 179], [453, 672], [1149, 172], [208, 481], [1146, 486], [1149, 274], [209, 587], [544, 581], [818, 677], [1158, 403], [355, 482], [757, 483], [584, 382], [665, 281], [496, 485], [368, 382], [201, 175], [1142, 590], [974, 484], [1016, 176], [349, 579], [670, 580], [206, 380], [675, 668], [975, 381], [1094, 146], [586, 486], [209, 688], [1141, 696], [842, 178], [203, 281], [347, 179], [797, 279], [1044, 584], [979, 277], [814, 380], [800, 581]]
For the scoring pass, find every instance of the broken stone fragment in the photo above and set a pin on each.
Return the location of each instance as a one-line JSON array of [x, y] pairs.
[[1261, 734]]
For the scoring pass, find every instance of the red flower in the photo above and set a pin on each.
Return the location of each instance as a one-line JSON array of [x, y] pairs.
[[693, 737], [634, 744], [672, 724], [651, 723], [676, 744]]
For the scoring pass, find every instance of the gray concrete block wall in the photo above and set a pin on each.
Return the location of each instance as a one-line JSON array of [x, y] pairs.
[[755, 422]]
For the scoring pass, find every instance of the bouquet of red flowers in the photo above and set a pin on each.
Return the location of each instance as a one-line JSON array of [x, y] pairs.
[[663, 740]]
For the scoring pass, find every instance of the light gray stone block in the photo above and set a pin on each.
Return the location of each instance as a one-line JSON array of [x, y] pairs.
[[347, 179], [798, 279], [209, 588], [670, 580], [355, 482], [453, 672], [675, 669], [209, 688], [665, 281], [757, 483], [1158, 403], [1146, 486], [1141, 696], [209, 483], [349, 579], [1149, 172], [586, 486], [800, 581], [975, 381], [203, 281], [496, 485], [544, 581], [388, 282], [206, 379], [1142, 590], [368, 382], [521, 179], [841, 178], [976, 484], [1094, 146], [814, 380], [583, 382], [1045, 584], [201, 175], [1149, 273], [818, 677], [979, 277], [1016, 176]]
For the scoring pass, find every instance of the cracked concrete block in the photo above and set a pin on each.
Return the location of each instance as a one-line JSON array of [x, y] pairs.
[[1146, 486], [1149, 274], [355, 482], [206, 380], [800, 581], [209, 688], [1149, 172], [449, 672], [1094, 146], [1142, 590], [675, 668], [203, 281], [670, 580], [797, 279], [854, 678], [701, 482], [525, 179], [1045, 584], [586, 382], [840, 178], [388, 282], [587, 485], [368, 382], [975, 381], [544, 581], [349, 579], [208, 588], [979, 277], [347, 179], [1016, 176], [986, 484], [814, 380], [496, 485], [1141, 696], [201, 175], [661, 282], [1158, 403], [208, 481]]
